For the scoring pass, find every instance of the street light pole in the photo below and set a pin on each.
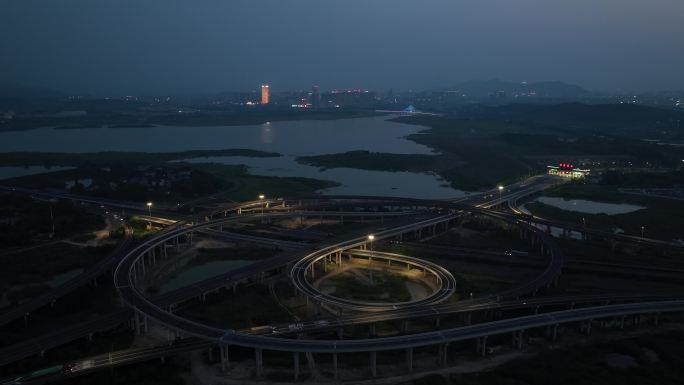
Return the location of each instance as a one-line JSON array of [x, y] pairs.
[[500, 191], [149, 212], [261, 198], [642, 231], [371, 237]]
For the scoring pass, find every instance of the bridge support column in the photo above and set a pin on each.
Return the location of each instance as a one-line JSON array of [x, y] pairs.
[[136, 321], [225, 360], [296, 365], [259, 363], [482, 346], [336, 373], [518, 339], [371, 330], [374, 364], [437, 322], [442, 354], [340, 333], [409, 359], [403, 328], [552, 332]]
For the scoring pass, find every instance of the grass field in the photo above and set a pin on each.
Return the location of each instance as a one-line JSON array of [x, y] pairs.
[[662, 218], [386, 287], [657, 360]]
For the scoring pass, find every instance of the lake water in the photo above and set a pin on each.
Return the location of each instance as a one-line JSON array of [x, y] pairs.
[[589, 207], [201, 272], [292, 139]]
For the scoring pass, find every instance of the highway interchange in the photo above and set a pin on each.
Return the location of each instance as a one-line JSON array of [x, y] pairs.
[[407, 217]]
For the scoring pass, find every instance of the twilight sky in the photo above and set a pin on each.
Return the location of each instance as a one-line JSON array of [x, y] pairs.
[[159, 46]]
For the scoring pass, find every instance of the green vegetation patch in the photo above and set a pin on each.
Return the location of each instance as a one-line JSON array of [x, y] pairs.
[[250, 306], [247, 187], [205, 255], [657, 359], [373, 161], [40, 264], [386, 287], [108, 158], [23, 219], [662, 218]]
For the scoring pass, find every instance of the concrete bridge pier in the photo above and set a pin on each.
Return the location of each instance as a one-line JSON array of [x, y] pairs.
[[517, 340], [336, 373], [374, 364], [585, 327], [409, 359], [371, 330], [259, 357], [136, 321], [403, 328], [225, 360], [552, 332], [296, 365], [442, 355], [481, 346]]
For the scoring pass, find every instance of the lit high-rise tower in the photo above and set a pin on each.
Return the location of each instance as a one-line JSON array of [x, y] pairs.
[[264, 94]]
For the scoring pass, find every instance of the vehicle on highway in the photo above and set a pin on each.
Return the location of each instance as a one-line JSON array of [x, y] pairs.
[[262, 329], [516, 253], [73, 367]]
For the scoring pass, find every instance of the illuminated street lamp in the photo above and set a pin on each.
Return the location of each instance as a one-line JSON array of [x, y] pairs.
[[642, 231], [149, 214], [261, 198], [500, 190], [371, 237]]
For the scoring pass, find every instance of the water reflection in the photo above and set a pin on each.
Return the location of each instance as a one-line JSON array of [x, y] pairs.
[[589, 207]]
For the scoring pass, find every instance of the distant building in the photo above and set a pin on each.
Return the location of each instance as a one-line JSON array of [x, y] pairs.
[[315, 97], [350, 98], [567, 170], [264, 94]]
